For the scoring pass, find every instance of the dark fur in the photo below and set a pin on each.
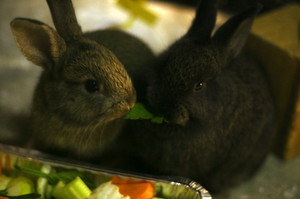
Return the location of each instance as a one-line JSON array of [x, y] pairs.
[[218, 135], [66, 118]]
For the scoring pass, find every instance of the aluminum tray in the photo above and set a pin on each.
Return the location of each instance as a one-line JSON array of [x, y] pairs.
[[175, 188]]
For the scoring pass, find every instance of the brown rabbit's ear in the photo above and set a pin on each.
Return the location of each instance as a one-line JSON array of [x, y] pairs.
[[233, 35], [38, 42]]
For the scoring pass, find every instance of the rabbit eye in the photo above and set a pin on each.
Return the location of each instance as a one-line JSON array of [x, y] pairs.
[[91, 86], [198, 86]]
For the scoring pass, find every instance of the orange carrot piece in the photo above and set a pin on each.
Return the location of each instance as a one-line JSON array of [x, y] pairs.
[[136, 189], [2, 197], [0, 165], [7, 164]]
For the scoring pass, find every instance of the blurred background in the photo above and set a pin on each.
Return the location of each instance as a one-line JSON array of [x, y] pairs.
[[238, 5], [278, 178]]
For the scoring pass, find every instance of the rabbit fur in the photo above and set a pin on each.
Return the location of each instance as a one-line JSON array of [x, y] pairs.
[[218, 104], [84, 89]]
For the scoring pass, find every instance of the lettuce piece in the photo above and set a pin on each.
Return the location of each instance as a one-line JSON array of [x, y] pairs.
[[139, 111]]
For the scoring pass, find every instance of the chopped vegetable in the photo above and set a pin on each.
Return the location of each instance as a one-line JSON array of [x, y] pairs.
[[42, 183], [58, 190], [20, 186], [0, 166], [4, 180], [136, 189], [140, 112], [34, 180], [7, 164], [76, 189], [54, 178], [107, 191]]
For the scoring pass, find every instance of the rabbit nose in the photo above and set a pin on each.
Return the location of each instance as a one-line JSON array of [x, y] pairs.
[[180, 115], [131, 100]]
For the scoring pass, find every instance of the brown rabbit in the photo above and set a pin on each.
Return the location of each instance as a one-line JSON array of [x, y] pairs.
[[84, 89]]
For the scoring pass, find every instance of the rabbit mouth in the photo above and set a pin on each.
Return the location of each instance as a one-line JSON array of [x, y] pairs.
[[116, 111]]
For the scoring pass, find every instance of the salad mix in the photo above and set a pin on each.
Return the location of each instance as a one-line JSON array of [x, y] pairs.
[[22, 178]]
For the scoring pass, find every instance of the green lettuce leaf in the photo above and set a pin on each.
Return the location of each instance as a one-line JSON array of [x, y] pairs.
[[139, 111]]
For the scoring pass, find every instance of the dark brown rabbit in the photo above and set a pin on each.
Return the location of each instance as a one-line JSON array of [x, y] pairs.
[[217, 102], [84, 89]]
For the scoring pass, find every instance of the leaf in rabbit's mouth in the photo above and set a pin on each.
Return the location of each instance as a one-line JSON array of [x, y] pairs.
[[139, 112]]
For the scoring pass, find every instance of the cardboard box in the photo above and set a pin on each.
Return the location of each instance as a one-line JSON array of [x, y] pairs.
[[275, 41]]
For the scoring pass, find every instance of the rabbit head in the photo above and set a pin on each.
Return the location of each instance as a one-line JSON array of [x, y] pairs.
[[82, 80], [182, 82]]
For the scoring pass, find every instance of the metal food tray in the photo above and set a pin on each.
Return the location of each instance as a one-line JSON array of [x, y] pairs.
[[175, 188]]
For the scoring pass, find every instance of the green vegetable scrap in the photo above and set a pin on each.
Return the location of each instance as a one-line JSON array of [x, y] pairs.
[[20, 186], [4, 182], [76, 189], [53, 178], [140, 112], [42, 183], [17, 188]]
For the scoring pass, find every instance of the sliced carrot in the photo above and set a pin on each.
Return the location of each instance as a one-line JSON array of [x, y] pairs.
[[7, 164], [2, 197], [0, 165], [136, 189]]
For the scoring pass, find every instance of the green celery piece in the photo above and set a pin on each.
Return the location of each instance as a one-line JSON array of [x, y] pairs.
[[42, 183], [139, 111], [76, 189], [53, 178], [58, 190]]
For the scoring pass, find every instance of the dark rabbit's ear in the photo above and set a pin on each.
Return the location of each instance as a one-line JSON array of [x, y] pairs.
[[204, 21], [234, 33], [38, 42]]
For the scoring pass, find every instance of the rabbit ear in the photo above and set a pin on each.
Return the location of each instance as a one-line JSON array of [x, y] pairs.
[[38, 42], [204, 20], [234, 33], [64, 19]]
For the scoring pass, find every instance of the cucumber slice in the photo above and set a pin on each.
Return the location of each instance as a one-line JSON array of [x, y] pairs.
[[4, 180], [20, 186]]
